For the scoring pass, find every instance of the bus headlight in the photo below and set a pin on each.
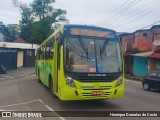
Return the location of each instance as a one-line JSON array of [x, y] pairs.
[[70, 82], [119, 81]]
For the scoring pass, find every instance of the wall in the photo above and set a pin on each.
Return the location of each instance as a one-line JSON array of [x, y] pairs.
[[156, 38], [8, 58], [142, 41], [140, 66], [29, 58], [127, 41]]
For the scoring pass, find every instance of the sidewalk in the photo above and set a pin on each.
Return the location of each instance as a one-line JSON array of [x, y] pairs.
[[19, 72], [134, 78]]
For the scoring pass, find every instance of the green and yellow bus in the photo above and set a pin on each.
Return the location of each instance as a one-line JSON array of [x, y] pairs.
[[80, 62]]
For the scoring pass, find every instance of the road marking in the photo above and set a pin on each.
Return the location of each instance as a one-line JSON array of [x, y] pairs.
[[49, 108], [37, 100], [19, 103], [130, 90], [6, 110]]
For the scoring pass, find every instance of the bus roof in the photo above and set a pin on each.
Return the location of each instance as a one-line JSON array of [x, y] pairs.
[[69, 26], [87, 27]]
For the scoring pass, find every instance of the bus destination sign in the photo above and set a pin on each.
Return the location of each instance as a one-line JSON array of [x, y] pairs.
[[86, 32]]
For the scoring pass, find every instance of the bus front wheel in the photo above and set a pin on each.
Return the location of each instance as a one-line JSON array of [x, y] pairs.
[[51, 87]]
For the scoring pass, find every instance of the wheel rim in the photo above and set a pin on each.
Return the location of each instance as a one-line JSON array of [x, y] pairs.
[[145, 86]]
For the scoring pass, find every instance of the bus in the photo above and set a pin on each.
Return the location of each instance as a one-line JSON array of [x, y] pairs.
[[81, 62]]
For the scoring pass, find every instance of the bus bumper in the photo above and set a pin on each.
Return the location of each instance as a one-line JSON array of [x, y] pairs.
[[68, 93]]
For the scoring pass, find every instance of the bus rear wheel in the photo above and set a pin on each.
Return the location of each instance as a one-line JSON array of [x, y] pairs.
[[51, 86], [39, 80]]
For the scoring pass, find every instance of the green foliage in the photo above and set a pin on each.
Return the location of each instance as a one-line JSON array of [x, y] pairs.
[[41, 30], [13, 32], [3, 28], [38, 20], [42, 8], [26, 23]]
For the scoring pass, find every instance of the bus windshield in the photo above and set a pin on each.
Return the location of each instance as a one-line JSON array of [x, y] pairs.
[[90, 55]]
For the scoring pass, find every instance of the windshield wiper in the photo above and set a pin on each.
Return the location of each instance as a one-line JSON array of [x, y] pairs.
[[104, 46], [85, 49], [100, 53]]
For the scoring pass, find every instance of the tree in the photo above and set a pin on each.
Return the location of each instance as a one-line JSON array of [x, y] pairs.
[[3, 28], [26, 23], [42, 8], [13, 32], [38, 19]]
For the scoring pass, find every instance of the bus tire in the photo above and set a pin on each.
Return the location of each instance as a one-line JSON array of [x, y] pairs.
[[39, 80], [51, 87]]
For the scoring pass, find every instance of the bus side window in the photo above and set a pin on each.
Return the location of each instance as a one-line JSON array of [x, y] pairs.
[[59, 47], [38, 53], [47, 51], [51, 49], [42, 52]]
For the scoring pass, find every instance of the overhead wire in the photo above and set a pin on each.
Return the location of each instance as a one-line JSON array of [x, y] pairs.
[[138, 18], [114, 12], [120, 13], [151, 5]]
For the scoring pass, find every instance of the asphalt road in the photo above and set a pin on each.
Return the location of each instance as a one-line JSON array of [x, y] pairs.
[[26, 94]]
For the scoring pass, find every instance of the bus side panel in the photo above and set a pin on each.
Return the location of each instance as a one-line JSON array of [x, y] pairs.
[[55, 72], [61, 76]]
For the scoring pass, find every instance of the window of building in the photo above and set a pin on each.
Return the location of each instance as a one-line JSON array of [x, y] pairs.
[[144, 34]]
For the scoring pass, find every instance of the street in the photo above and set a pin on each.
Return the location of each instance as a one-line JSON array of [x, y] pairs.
[[26, 94]]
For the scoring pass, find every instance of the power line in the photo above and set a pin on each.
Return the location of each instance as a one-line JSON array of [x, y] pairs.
[[146, 13], [124, 10], [106, 17], [134, 16], [148, 6], [121, 11], [150, 25]]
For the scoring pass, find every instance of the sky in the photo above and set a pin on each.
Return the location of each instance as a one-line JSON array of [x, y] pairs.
[[119, 15]]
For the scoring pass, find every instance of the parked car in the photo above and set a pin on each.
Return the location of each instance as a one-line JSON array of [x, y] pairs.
[[151, 80]]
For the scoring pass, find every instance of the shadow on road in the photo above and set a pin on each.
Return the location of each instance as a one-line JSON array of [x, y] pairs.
[[88, 105]]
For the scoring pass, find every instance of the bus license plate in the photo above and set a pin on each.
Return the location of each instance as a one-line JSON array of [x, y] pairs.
[[96, 92]]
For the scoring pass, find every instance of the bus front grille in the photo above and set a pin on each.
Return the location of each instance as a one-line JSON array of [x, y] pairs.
[[89, 95], [99, 88]]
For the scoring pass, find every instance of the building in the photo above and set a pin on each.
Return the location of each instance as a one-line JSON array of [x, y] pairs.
[[127, 42], [141, 51], [137, 49], [2, 37], [155, 37], [142, 41], [154, 61], [19, 40], [141, 63], [14, 55]]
